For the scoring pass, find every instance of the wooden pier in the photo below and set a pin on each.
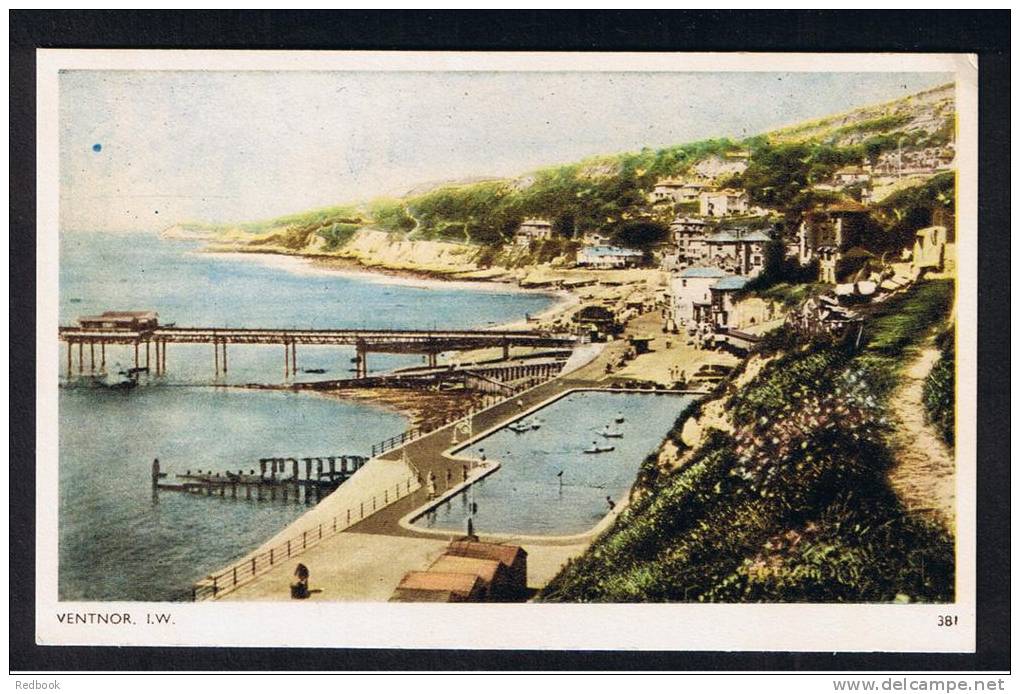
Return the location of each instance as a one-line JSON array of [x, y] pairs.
[[151, 340], [322, 475]]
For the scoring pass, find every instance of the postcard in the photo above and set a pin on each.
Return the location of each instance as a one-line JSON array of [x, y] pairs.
[[659, 351]]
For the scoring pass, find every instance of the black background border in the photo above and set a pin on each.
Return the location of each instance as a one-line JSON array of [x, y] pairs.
[[985, 33]]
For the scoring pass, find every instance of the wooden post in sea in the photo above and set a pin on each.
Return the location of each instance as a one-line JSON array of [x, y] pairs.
[[69, 367], [308, 478], [155, 476], [81, 359], [216, 358], [92, 357], [286, 360], [136, 354], [224, 356], [293, 357]]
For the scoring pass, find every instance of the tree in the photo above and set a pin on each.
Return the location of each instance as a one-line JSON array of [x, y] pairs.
[[641, 234]]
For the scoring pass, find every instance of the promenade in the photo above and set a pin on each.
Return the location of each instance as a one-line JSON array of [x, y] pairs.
[[367, 559]]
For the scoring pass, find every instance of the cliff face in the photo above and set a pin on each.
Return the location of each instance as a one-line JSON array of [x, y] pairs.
[[367, 247]]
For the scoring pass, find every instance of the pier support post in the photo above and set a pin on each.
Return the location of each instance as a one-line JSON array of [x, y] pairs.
[[147, 355], [224, 356], [293, 358], [92, 357], [81, 359], [155, 477], [164, 358], [136, 354], [70, 346], [216, 358], [158, 363], [506, 350], [286, 360]]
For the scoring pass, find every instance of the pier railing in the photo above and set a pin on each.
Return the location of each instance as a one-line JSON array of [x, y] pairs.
[[258, 564], [255, 565], [512, 391]]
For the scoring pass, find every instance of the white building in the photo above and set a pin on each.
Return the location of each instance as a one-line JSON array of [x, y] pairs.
[[690, 289], [532, 230], [849, 175], [677, 190], [722, 203], [608, 257]]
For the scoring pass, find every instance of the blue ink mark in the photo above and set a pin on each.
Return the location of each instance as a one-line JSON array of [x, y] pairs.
[[97, 147]]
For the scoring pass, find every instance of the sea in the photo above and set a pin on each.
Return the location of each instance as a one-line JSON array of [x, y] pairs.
[[119, 542]]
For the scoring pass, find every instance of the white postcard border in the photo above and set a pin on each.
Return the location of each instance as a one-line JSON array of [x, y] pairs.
[[743, 627]]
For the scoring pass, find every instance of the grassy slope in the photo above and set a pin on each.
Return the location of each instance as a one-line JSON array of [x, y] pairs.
[[600, 193], [793, 505]]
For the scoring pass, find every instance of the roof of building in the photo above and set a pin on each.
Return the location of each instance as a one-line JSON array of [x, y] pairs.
[[605, 251], [485, 569], [536, 222], [731, 283], [411, 595], [464, 583], [724, 191], [689, 220], [709, 272], [738, 236], [507, 554]]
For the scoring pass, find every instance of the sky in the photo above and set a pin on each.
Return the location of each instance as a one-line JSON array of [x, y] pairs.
[[142, 150]]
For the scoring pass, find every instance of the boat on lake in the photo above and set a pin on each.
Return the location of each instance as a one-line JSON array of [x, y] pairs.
[[611, 433], [620, 419], [596, 448]]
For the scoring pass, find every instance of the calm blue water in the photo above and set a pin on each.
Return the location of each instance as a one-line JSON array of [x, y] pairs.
[[115, 542], [525, 496], [103, 272]]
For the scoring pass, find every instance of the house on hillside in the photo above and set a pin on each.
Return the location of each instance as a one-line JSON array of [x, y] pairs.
[[738, 251], [716, 315], [828, 233], [723, 203], [689, 289], [929, 249], [608, 257], [532, 230], [849, 175], [688, 236], [677, 190]]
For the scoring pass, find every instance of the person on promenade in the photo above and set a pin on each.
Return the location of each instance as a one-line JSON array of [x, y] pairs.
[[609, 501], [299, 589]]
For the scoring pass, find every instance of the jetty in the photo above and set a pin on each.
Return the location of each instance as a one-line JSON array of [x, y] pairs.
[[150, 339], [322, 476]]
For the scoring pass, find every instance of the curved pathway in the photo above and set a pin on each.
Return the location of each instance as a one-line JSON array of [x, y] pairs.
[[924, 476]]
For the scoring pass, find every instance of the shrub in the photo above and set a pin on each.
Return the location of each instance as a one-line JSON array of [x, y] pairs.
[[939, 393]]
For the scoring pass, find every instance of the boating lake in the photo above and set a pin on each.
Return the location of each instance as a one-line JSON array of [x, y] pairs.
[[527, 495], [116, 542]]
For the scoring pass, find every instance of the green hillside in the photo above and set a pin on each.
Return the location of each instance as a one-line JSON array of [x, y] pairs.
[[610, 194]]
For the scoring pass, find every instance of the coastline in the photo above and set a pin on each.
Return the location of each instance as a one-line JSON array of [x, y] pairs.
[[321, 264]]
